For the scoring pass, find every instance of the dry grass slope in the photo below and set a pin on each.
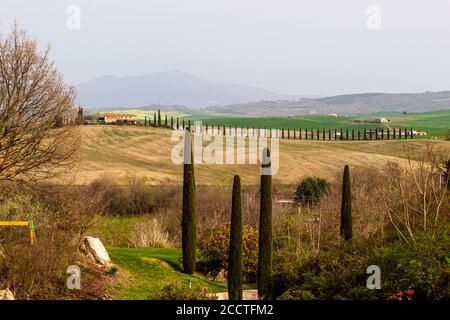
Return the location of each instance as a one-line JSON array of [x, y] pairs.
[[120, 153]]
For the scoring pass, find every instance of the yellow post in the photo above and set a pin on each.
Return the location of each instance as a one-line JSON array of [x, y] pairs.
[[29, 224]]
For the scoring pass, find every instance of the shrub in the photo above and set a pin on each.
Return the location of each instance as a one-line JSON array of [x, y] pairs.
[[149, 233], [215, 249], [135, 197], [310, 190], [177, 292], [420, 271]]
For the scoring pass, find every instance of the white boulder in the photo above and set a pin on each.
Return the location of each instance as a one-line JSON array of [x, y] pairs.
[[94, 249]]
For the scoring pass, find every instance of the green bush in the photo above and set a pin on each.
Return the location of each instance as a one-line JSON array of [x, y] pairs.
[[177, 292], [422, 267], [214, 246], [419, 271], [310, 190], [297, 295]]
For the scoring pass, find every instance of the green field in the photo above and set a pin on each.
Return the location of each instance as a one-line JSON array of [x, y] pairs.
[[436, 123], [151, 269]]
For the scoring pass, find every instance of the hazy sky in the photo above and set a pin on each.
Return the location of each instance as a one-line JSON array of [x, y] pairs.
[[318, 47]]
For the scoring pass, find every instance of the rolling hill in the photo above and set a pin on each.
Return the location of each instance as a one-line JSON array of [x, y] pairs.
[[170, 88], [120, 153], [344, 104]]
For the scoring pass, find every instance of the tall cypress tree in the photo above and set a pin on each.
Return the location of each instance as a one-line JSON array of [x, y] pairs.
[[264, 276], [154, 119], [165, 120], [235, 259], [189, 215], [346, 207], [159, 118]]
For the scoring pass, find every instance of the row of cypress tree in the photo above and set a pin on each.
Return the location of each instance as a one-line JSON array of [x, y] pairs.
[[158, 122], [312, 134], [265, 243]]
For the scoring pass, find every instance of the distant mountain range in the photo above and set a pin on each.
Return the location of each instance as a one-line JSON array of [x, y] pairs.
[[181, 91], [344, 104], [167, 88]]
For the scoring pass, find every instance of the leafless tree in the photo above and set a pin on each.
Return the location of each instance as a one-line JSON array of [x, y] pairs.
[[38, 134], [415, 196]]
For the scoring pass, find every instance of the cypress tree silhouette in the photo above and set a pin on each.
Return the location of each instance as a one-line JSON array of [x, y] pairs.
[[264, 275], [189, 215], [165, 120], [154, 119], [346, 208], [235, 259], [159, 118]]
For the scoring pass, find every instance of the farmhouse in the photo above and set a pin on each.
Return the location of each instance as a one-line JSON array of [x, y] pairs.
[[111, 117], [419, 133], [381, 120]]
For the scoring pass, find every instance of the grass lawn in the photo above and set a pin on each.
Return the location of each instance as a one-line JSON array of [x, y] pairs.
[[151, 269]]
